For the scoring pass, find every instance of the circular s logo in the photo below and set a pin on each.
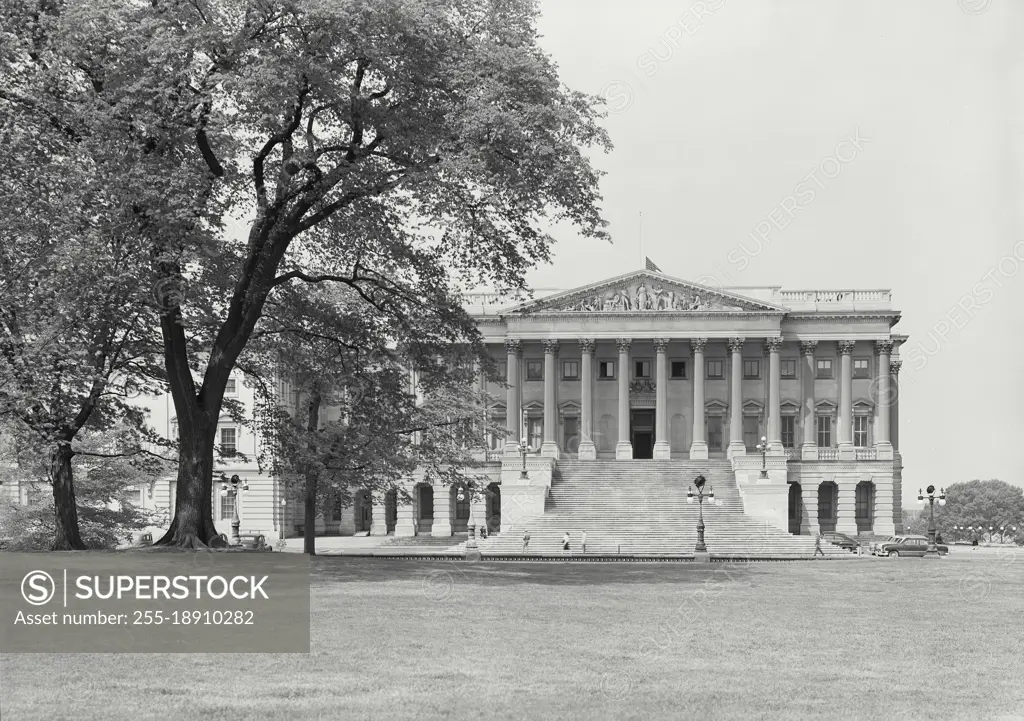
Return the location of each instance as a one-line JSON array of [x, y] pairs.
[[38, 587]]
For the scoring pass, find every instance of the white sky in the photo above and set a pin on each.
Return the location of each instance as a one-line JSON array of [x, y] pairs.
[[749, 100]]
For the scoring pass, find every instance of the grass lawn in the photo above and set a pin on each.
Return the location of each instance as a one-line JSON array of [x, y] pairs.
[[868, 638]]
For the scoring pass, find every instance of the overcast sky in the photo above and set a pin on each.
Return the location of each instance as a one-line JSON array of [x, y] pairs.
[[720, 112]]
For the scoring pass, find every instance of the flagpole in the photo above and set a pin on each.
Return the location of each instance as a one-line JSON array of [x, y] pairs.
[[642, 263]]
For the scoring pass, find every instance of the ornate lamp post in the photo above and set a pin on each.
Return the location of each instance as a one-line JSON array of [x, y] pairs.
[[932, 551], [699, 481], [231, 487], [763, 447], [472, 550], [524, 448]]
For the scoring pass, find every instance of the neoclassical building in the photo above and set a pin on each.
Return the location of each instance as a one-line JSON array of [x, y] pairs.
[[639, 369], [647, 366]]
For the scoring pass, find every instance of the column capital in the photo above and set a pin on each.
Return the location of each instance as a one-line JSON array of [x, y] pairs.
[[624, 344], [514, 345], [736, 344], [883, 346], [698, 344], [660, 345], [846, 347], [894, 367], [551, 347], [772, 345], [807, 347], [587, 345]]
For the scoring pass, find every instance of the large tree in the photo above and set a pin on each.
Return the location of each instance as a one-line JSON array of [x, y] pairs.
[[319, 123], [977, 504]]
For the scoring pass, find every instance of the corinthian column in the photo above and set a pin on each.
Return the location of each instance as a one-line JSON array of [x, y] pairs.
[[773, 346], [587, 449], [699, 443], [882, 373], [549, 448], [624, 448], [809, 449], [894, 407], [513, 352], [846, 401], [662, 448], [736, 447]]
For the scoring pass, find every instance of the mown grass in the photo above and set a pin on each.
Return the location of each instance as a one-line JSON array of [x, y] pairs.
[[871, 638]]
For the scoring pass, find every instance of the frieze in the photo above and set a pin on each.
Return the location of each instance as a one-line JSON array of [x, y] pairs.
[[642, 386], [638, 296]]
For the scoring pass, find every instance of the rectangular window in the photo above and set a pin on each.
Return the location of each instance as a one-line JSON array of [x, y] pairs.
[[534, 370], [228, 441], [230, 389], [860, 431], [715, 369], [134, 496], [570, 434], [788, 431], [503, 371], [642, 369], [751, 369], [535, 432], [570, 370], [787, 367], [824, 366], [825, 431], [606, 369], [861, 368], [227, 506], [750, 433], [678, 369], [336, 510], [496, 440]]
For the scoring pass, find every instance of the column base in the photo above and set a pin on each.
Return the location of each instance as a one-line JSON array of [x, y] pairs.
[[405, 528], [623, 451], [588, 451], [846, 452], [699, 451], [701, 557], [441, 529], [549, 449], [775, 448], [379, 528], [883, 529], [736, 448], [883, 451], [511, 449], [809, 452], [662, 451]]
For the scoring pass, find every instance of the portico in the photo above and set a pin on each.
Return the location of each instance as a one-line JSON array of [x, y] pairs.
[[650, 366]]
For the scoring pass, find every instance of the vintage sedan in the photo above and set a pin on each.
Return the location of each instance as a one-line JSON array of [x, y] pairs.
[[876, 546], [909, 546], [841, 540]]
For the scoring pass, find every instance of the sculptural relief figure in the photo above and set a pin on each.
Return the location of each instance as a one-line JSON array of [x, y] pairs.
[[642, 299], [610, 301]]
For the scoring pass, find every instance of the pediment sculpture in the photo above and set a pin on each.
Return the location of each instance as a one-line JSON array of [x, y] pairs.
[[641, 298]]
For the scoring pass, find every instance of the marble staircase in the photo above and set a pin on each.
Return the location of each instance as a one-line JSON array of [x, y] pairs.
[[639, 508]]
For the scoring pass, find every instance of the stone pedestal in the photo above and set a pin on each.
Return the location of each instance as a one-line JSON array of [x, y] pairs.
[[378, 524], [809, 517], [662, 451], [442, 527], [809, 452], [623, 451], [699, 451], [884, 451], [404, 524], [767, 501], [736, 448], [846, 452], [588, 451], [882, 521]]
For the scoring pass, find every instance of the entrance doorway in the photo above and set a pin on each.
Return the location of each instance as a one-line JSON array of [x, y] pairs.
[[363, 511], [796, 508], [642, 433]]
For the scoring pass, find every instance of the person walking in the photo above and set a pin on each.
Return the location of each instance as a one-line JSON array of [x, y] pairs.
[[565, 542], [583, 542], [526, 541], [817, 544]]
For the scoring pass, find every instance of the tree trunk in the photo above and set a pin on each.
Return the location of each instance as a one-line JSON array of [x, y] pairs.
[[312, 477], [193, 526], [309, 536], [66, 536]]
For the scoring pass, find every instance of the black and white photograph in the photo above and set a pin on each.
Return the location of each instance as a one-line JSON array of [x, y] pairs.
[[511, 360]]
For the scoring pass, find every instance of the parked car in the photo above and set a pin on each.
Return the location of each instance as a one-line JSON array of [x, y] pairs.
[[841, 540], [909, 546], [876, 546]]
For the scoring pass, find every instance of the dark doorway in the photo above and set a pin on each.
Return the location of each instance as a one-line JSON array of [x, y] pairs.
[[390, 510], [461, 501], [796, 508], [642, 431], [828, 502], [494, 509], [865, 506], [364, 511], [425, 510]]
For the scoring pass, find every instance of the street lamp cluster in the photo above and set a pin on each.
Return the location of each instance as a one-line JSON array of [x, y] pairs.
[[231, 488], [980, 530], [932, 548], [699, 482]]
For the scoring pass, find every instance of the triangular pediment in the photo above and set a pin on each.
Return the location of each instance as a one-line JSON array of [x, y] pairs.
[[646, 291]]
